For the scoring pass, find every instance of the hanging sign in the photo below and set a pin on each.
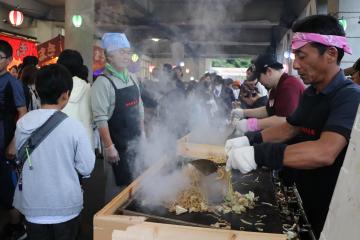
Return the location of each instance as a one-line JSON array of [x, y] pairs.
[[21, 48], [50, 50]]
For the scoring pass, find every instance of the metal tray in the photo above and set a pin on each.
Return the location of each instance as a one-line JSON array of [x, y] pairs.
[[266, 211]]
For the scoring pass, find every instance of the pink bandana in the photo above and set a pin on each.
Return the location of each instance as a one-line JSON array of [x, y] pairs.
[[300, 39]]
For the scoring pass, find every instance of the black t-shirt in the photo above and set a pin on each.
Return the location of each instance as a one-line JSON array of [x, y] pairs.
[[334, 109], [11, 97], [261, 102]]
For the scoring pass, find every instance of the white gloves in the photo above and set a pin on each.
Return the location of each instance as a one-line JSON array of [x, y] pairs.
[[236, 143], [237, 113], [241, 126], [242, 159], [111, 154]]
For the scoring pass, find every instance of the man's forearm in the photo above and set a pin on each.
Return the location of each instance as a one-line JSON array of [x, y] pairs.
[[270, 122], [21, 111], [105, 136], [256, 113], [279, 133], [10, 151], [314, 154]]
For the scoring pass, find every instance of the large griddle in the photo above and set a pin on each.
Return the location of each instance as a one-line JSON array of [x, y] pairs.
[[260, 182]]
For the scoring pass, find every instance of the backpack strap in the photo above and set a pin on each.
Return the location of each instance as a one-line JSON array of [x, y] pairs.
[[38, 136]]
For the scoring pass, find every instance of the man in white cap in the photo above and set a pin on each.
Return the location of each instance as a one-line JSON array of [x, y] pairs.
[[118, 113]]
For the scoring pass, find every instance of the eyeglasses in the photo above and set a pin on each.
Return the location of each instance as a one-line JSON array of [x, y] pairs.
[[1, 57], [123, 52]]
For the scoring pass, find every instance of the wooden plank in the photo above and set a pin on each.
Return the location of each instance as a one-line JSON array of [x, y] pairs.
[[105, 225], [157, 231], [214, 153], [126, 194], [343, 218]]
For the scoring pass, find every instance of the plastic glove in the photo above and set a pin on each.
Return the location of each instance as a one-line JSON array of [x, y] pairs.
[[111, 154], [237, 113], [242, 159], [236, 143]]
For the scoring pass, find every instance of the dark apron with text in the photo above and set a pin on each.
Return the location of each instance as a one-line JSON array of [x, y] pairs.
[[124, 128], [316, 186]]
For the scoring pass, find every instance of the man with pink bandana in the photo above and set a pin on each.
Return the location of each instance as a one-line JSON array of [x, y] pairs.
[[312, 143]]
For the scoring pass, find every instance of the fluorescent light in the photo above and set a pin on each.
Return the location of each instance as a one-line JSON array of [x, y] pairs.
[[155, 39], [182, 64], [192, 78]]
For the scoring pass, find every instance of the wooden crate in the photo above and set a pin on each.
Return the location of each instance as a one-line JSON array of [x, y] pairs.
[[215, 153], [107, 225]]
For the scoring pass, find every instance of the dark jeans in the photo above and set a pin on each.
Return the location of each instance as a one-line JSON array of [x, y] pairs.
[[62, 231], [7, 185]]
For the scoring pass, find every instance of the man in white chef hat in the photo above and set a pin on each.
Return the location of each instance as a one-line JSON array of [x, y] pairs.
[[118, 112]]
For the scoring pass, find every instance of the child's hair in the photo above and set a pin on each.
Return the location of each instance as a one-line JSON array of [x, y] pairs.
[[6, 48], [28, 75], [72, 60], [51, 81], [246, 90]]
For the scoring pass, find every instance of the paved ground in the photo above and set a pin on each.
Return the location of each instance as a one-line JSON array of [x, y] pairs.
[[93, 201]]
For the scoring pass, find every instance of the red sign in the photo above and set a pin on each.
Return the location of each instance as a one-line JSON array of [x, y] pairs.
[[21, 48], [51, 49]]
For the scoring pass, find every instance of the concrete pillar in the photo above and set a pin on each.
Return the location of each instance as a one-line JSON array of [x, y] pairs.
[[81, 38], [350, 11], [322, 6], [178, 52]]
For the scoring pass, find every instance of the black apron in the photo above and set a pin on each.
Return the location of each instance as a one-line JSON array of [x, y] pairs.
[[316, 186], [124, 128]]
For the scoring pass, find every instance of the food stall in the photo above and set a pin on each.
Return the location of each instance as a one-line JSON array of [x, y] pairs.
[[259, 206]]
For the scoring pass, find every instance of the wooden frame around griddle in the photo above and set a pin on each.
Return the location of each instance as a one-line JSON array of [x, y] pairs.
[[108, 225]]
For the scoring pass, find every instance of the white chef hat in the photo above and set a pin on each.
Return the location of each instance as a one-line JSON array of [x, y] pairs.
[[113, 41]]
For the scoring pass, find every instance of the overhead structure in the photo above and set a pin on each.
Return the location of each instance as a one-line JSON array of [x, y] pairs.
[[205, 28]]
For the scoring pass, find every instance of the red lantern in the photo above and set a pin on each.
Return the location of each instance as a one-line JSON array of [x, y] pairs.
[[16, 17]]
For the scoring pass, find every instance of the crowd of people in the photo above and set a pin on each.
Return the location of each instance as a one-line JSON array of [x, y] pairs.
[[50, 117]]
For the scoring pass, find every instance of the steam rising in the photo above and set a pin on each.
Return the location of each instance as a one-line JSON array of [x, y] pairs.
[[161, 144], [190, 113]]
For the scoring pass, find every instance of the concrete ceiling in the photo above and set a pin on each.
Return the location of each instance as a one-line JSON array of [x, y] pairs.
[[40, 9], [53, 2], [207, 28]]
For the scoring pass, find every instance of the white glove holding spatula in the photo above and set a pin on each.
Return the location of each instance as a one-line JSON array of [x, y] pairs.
[[242, 159], [236, 143]]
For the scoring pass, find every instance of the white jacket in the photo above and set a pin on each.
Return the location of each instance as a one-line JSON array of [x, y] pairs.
[[79, 105]]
